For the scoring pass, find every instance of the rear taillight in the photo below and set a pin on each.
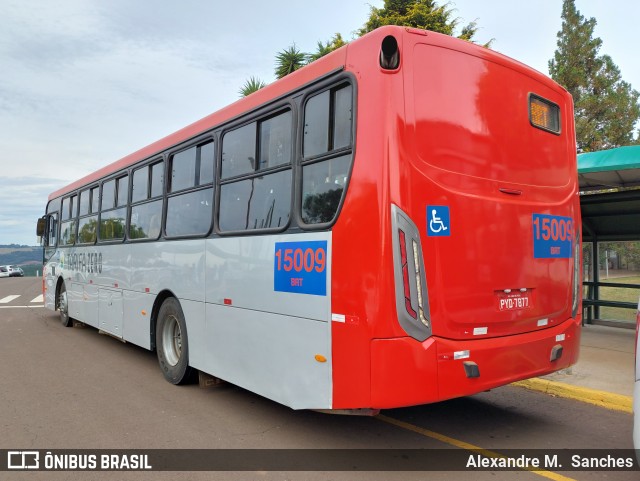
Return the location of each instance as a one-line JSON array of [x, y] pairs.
[[412, 300]]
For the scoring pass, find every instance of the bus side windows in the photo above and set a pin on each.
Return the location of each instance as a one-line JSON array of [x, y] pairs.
[[327, 153], [261, 197], [190, 211], [146, 214], [113, 211]]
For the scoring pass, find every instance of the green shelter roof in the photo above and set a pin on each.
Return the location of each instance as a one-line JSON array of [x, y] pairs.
[[610, 215], [607, 169]]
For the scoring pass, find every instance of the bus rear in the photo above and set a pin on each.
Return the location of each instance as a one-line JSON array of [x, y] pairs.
[[484, 223]]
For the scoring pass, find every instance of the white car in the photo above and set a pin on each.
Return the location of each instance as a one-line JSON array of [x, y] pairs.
[[4, 271], [636, 392]]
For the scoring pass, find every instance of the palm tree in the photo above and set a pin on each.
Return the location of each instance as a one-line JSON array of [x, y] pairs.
[[323, 49], [290, 60], [253, 84]]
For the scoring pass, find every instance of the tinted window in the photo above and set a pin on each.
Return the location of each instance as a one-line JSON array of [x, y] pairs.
[[140, 185], [239, 151], [87, 229], [328, 126], [322, 187], [316, 125], [123, 190], [342, 118], [112, 224], [146, 220], [207, 160], [157, 179], [84, 202], [183, 169], [95, 196], [259, 203], [66, 211], [68, 233], [189, 214], [108, 195], [275, 141]]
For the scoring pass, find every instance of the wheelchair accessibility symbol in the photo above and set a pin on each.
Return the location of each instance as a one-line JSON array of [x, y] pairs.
[[438, 220]]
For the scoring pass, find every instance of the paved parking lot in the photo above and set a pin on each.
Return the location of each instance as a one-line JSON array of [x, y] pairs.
[[76, 389]]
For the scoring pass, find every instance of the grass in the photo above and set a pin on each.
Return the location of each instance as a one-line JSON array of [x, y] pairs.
[[623, 294]]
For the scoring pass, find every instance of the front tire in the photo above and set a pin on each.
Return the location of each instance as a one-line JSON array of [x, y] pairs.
[[172, 345], [63, 307]]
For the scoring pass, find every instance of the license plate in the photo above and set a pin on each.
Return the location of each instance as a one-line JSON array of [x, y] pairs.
[[514, 301]]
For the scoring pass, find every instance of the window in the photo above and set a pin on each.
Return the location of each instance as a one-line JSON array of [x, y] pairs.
[[239, 151], [146, 213], [146, 220], [327, 153], [52, 230], [113, 212], [140, 185], [85, 202], [87, 229], [95, 196], [258, 203], [190, 213], [88, 224], [68, 233], [256, 194], [108, 195]]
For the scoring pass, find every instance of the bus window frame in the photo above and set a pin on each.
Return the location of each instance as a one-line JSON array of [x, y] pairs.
[[207, 137], [326, 85], [263, 113], [114, 176], [146, 164]]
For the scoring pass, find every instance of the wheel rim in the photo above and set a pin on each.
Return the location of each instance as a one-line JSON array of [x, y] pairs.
[[62, 304], [172, 340]]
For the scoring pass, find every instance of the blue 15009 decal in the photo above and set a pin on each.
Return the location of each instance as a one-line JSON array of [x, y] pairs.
[[300, 267], [552, 236]]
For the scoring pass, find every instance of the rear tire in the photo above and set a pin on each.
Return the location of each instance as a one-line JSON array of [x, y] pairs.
[[172, 345], [63, 307]]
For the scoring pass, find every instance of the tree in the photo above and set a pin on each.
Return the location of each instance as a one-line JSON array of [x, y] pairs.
[[290, 60], [253, 84], [424, 14], [606, 107], [323, 49]]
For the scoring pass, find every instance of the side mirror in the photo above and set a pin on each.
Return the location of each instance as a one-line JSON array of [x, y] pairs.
[[41, 226]]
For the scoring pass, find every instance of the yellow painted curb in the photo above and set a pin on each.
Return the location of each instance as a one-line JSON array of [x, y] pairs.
[[616, 402]]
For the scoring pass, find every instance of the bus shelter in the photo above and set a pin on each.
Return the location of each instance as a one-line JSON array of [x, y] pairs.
[[610, 203]]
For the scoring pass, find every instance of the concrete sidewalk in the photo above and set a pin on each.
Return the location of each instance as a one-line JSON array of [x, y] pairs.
[[604, 373]]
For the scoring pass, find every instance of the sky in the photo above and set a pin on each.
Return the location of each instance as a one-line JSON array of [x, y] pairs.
[[86, 82]]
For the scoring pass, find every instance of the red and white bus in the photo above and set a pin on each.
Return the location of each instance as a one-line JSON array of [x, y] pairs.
[[394, 224]]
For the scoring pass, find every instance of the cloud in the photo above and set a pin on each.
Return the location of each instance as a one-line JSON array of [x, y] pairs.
[[22, 201]]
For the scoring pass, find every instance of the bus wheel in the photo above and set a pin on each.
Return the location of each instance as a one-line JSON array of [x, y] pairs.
[[63, 307], [172, 345]]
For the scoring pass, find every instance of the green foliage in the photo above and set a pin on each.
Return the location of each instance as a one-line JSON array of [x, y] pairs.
[[323, 49], [290, 60], [253, 84], [424, 14], [606, 107]]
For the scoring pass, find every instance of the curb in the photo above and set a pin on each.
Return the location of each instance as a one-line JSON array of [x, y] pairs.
[[607, 400]]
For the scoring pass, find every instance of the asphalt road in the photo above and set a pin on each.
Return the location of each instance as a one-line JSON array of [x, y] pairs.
[[72, 388]]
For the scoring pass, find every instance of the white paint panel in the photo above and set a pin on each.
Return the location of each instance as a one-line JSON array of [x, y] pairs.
[[241, 269], [271, 355]]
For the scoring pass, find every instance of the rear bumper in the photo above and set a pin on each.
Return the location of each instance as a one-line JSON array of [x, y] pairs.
[[406, 372]]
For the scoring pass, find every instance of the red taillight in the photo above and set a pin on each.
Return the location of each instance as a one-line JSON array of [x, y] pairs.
[[405, 275], [410, 285]]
